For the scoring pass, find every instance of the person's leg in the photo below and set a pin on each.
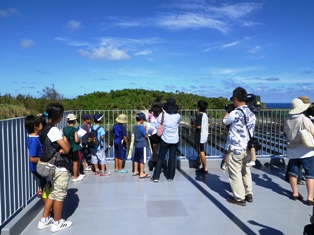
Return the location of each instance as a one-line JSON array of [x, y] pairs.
[[47, 208], [293, 174], [75, 169], [142, 173], [307, 164], [246, 176], [136, 172], [163, 149], [310, 188], [120, 164], [116, 164], [203, 160], [172, 162], [235, 175]]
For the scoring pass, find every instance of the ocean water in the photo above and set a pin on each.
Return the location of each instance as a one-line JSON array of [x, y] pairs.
[[278, 105]]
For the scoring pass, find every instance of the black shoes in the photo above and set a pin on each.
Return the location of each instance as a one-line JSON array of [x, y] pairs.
[[233, 201], [249, 198], [294, 198]]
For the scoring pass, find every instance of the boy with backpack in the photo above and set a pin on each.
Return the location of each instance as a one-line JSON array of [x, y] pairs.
[[75, 153], [95, 139]]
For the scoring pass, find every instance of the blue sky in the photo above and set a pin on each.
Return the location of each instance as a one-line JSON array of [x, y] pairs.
[[204, 47]]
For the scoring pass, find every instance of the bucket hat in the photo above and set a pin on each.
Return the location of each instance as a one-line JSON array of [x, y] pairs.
[[122, 118], [297, 106], [170, 106]]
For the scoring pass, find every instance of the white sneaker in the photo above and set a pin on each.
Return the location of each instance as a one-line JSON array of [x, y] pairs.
[[81, 176], [88, 168], [61, 225], [48, 223]]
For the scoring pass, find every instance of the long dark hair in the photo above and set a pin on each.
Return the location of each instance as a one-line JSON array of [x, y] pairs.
[[54, 111], [156, 108]]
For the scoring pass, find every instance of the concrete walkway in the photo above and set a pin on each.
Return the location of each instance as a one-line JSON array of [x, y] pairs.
[[192, 204]]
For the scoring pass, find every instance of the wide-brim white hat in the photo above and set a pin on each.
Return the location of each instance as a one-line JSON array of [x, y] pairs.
[[297, 106]]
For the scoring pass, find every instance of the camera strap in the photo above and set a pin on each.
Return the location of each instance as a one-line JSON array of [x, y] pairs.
[[245, 123]]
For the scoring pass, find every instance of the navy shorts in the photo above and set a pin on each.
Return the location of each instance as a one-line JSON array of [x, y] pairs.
[[139, 155], [199, 147], [119, 152], [307, 164]]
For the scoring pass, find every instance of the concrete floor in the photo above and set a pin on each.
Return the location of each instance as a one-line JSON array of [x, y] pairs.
[[192, 204]]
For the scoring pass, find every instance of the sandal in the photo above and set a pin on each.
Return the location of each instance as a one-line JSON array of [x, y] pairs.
[[145, 176], [294, 198]]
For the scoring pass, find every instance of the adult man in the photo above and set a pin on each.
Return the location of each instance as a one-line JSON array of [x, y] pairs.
[[239, 172]]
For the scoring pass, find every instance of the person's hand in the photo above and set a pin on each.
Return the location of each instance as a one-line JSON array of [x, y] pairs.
[[229, 108]]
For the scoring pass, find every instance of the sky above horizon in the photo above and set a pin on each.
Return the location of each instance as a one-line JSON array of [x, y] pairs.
[[203, 47]]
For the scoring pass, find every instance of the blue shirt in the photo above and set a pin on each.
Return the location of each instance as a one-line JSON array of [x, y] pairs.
[[238, 135], [119, 132], [35, 149], [139, 136]]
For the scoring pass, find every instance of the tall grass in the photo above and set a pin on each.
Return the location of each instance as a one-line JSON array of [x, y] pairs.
[[12, 111]]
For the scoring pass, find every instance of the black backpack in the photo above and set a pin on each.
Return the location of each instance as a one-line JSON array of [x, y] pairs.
[[92, 140]]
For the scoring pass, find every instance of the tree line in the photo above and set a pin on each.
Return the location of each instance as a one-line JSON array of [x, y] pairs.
[[126, 99]]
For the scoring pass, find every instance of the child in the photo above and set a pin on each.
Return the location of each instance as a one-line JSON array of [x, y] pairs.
[[156, 109], [85, 150], [53, 142], [34, 125], [120, 142], [98, 154], [201, 133], [75, 152], [140, 142]]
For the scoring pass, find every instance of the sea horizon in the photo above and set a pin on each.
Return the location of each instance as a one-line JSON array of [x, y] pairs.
[[277, 105]]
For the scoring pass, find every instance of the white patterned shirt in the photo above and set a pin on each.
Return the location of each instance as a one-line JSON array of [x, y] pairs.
[[238, 136]]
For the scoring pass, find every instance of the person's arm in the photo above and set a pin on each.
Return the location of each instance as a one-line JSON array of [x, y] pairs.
[[76, 138], [55, 136], [34, 159], [64, 145]]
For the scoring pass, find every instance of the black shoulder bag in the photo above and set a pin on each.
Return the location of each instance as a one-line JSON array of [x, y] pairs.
[[253, 142]]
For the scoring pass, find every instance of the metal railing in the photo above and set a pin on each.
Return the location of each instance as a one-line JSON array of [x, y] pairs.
[[18, 186]]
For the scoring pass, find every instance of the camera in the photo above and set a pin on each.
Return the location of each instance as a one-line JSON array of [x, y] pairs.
[[252, 101]]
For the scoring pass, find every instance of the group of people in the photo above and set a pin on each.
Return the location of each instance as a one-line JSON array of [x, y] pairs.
[[161, 133]]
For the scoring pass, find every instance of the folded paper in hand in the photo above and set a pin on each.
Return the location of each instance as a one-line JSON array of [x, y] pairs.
[[81, 132]]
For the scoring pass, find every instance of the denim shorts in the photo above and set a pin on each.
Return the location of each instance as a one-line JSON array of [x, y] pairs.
[[307, 163]]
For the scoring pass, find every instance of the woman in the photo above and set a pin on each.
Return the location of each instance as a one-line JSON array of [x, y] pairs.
[[169, 140], [296, 152]]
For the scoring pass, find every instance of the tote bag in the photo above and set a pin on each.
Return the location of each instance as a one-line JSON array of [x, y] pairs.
[[160, 128], [306, 137]]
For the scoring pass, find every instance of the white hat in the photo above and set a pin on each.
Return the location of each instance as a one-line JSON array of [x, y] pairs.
[[71, 117], [298, 106]]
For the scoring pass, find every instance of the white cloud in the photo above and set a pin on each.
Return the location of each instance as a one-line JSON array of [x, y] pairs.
[[105, 53], [73, 25], [8, 12], [26, 43], [143, 53], [191, 20], [196, 15]]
